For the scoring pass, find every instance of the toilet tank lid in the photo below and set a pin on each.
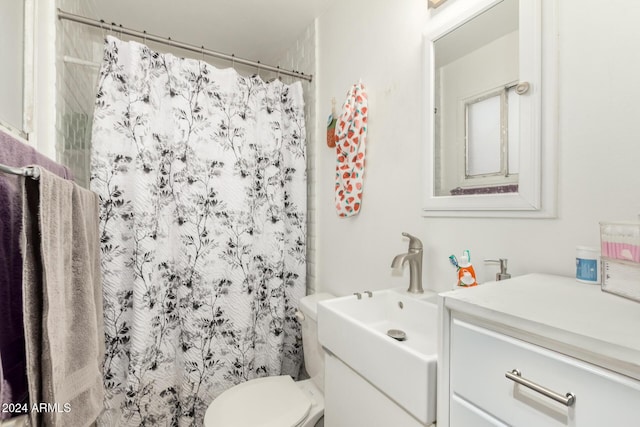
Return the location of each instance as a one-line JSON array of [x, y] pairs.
[[309, 305]]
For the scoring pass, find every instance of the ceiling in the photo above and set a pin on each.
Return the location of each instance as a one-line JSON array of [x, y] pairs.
[[259, 30], [490, 25]]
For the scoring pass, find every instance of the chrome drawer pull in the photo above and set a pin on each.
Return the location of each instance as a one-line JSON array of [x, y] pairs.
[[567, 400]]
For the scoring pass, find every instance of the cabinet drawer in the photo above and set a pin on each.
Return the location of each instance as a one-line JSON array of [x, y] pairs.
[[480, 358], [464, 414]]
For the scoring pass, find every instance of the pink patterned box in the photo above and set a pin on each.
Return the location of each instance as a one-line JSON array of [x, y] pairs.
[[620, 240], [620, 250]]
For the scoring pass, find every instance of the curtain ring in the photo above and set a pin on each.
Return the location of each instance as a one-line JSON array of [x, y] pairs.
[[278, 74], [233, 60], [104, 36], [144, 37], [113, 24], [202, 50], [120, 31], [258, 69]]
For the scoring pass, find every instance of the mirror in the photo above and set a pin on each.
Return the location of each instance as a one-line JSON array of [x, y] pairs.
[[476, 106], [489, 136]]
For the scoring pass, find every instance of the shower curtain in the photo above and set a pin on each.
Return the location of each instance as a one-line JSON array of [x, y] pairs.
[[202, 181]]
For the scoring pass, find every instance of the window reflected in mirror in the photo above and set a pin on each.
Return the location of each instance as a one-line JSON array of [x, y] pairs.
[[491, 130]]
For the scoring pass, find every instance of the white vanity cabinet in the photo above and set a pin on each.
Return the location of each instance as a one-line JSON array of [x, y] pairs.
[[567, 338]]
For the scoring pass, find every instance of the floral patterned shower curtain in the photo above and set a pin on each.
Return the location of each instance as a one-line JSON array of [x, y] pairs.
[[201, 177]]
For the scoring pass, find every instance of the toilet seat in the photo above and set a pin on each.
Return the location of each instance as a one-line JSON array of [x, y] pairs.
[[262, 402]]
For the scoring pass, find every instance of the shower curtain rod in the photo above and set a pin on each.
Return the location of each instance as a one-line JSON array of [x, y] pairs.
[[168, 41], [29, 171]]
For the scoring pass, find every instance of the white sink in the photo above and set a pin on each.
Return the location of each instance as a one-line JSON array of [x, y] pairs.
[[355, 331]]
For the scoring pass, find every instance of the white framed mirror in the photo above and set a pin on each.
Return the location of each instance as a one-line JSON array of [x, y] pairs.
[[490, 109]]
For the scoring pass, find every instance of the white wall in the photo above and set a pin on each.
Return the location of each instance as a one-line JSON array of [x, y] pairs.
[[44, 79], [380, 42], [11, 47]]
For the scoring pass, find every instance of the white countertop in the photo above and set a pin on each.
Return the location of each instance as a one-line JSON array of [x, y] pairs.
[[559, 313]]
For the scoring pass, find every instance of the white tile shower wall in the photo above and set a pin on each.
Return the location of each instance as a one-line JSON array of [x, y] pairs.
[[302, 57], [77, 61]]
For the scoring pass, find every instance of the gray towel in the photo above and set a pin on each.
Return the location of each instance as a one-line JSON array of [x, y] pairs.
[[18, 154], [62, 301], [5, 394], [19, 421]]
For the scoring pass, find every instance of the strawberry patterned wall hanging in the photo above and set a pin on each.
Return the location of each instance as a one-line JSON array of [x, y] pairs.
[[351, 133]]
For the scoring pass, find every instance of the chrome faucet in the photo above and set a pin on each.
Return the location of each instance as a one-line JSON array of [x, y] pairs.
[[414, 257]]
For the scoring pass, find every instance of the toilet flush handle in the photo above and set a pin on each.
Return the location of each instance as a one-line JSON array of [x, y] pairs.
[[299, 316]]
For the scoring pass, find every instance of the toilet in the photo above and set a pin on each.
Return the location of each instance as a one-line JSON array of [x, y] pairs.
[[278, 401]]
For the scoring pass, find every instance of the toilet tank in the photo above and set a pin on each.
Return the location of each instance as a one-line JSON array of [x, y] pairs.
[[313, 352]]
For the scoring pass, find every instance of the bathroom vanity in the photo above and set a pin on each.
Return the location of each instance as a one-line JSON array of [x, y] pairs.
[[538, 350]]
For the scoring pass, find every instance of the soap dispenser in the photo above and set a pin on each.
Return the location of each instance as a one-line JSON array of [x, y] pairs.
[[502, 275]]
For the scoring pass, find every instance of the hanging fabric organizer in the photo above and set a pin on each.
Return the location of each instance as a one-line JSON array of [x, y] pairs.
[[351, 132]]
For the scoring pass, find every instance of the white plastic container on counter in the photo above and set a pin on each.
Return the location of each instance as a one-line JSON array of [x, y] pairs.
[[587, 265]]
